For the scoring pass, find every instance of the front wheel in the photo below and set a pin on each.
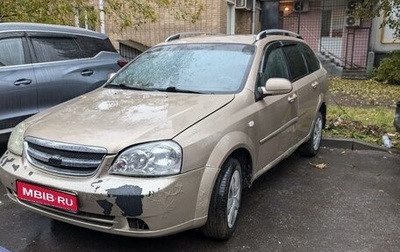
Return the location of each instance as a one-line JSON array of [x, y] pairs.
[[311, 147], [225, 202]]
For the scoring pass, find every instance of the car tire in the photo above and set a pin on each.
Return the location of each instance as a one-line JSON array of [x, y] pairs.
[[311, 147], [225, 202]]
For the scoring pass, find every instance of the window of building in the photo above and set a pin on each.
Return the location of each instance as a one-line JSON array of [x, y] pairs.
[[326, 18]]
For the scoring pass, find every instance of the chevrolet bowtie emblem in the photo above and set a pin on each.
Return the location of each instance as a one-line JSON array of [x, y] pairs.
[[55, 160]]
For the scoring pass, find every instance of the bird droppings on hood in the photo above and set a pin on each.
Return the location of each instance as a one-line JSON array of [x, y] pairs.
[[6, 160], [95, 184], [107, 206], [128, 198], [15, 167]]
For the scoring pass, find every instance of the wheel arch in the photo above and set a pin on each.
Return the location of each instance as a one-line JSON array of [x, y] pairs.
[[234, 144], [237, 145], [243, 156]]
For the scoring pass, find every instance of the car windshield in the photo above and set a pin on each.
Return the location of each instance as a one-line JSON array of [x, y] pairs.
[[194, 68]]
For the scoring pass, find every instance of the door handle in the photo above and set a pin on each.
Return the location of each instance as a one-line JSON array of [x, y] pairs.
[[87, 72], [292, 98], [22, 82], [315, 84]]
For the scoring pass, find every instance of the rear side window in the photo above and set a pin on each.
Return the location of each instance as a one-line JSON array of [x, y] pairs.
[[92, 46], [297, 65], [11, 52], [312, 61], [56, 48]]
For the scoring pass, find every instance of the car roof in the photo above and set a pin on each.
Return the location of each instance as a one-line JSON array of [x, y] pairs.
[[241, 39], [29, 27], [204, 37]]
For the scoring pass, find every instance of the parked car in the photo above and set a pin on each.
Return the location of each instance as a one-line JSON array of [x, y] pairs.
[[171, 140], [43, 65]]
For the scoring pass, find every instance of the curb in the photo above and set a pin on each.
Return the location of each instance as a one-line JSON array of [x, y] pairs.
[[353, 144]]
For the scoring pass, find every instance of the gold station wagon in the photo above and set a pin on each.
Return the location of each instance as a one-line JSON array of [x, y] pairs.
[[171, 140]]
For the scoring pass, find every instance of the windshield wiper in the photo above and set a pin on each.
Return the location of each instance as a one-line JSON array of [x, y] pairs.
[[179, 90], [124, 86], [171, 89]]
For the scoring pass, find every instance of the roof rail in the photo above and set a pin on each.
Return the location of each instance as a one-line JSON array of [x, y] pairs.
[[264, 33], [190, 34]]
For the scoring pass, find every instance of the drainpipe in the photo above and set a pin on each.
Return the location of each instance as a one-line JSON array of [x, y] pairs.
[[253, 17], [76, 17], [101, 8], [270, 14]]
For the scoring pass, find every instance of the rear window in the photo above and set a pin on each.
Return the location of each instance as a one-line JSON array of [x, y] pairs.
[[93, 46], [56, 48]]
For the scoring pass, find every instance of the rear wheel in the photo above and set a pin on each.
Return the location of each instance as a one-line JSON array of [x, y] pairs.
[[225, 202], [311, 147]]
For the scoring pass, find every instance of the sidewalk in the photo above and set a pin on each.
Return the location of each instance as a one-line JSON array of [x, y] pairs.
[[353, 144]]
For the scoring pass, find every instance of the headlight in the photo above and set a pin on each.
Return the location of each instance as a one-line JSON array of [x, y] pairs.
[[16, 141], [150, 159]]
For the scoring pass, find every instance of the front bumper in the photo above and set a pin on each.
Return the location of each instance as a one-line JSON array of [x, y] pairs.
[[142, 207]]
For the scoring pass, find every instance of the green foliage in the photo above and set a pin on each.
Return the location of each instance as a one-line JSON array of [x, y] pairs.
[[389, 9], [126, 13], [364, 93], [389, 69], [37, 11], [366, 124], [362, 109]]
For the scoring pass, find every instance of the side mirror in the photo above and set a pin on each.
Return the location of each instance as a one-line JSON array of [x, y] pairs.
[[276, 86]]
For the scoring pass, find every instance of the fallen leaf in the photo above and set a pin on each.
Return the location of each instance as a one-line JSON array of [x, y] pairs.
[[319, 166]]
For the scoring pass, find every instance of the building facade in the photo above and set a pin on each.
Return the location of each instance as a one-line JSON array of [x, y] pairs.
[[328, 26]]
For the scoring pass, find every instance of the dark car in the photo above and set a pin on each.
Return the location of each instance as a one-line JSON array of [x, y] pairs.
[[43, 65]]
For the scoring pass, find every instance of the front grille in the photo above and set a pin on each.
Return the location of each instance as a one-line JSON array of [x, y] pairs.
[[62, 158], [138, 224]]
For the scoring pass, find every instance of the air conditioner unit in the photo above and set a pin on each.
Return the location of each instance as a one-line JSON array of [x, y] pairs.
[[301, 6], [351, 5], [243, 4], [352, 21]]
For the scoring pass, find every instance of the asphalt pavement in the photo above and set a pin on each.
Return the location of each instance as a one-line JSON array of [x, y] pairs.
[[347, 198]]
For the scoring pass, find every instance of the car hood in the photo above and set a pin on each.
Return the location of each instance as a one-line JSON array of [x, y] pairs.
[[115, 119]]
